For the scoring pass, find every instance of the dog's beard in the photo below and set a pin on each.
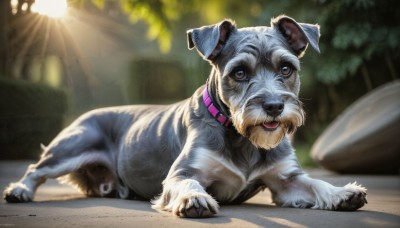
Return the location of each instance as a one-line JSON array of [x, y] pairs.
[[266, 139], [253, 124]]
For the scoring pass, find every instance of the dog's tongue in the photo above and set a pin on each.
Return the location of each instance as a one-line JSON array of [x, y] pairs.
[[271, 125]]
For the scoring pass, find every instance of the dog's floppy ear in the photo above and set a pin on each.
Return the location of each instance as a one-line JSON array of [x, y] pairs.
[[209, 40], [298, 35]]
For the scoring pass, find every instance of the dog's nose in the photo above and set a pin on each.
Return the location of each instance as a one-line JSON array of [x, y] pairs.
[[274, 108]]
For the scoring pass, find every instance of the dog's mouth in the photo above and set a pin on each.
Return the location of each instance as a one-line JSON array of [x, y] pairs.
[[270, 125]]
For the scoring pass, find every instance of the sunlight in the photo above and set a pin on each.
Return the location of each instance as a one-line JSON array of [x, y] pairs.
[[51, 8]]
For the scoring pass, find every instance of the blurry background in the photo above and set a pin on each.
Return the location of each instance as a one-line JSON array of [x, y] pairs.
[[59, 58]]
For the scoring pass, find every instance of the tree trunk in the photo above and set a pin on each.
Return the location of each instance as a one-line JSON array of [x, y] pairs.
[[5, 13]]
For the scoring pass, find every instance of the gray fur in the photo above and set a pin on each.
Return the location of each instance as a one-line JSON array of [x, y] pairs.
[[182, 157]]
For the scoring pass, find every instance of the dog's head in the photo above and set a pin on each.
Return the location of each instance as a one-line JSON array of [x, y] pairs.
[[255, 74]]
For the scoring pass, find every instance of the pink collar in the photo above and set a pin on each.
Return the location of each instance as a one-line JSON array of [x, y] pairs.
[[217, 114]]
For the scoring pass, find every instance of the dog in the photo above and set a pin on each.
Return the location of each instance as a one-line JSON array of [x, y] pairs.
[[223, 145]]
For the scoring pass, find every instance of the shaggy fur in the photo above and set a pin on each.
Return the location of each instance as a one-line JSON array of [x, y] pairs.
[[180, 156]]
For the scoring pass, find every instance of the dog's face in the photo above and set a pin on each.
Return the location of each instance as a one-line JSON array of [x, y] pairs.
[[255, 74]]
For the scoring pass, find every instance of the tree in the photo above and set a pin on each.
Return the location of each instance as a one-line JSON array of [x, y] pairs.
[[5, 11], [360, 32]]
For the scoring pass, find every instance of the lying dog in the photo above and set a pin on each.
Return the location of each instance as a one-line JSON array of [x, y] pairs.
[[222, 145]]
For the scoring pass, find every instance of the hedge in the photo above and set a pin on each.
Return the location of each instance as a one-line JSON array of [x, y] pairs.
[[30, 114]]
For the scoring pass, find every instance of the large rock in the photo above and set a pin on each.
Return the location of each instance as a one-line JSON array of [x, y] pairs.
[[365, 138]]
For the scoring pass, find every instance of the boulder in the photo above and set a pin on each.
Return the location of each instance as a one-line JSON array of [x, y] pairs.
[[365, 138]]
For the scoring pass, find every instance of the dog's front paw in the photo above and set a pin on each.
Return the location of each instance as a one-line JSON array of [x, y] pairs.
[[18, 193], [356, 198], [195, 205]]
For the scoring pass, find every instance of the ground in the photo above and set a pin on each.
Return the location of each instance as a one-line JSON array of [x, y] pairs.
[[62, 206]]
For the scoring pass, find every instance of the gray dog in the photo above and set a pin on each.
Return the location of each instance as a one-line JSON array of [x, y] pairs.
[[222, 145]]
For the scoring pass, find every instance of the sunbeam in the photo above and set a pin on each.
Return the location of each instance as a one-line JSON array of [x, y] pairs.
[[51, 8]]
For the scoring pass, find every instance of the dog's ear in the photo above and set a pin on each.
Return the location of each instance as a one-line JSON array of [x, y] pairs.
[[298, 35], [209, 40]]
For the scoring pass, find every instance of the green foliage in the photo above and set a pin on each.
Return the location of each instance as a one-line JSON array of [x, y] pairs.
[[36, 98], [99, 3], [346, 36], [337, 68], [355, 32], [30, 114], [155, 16], [158, 14]]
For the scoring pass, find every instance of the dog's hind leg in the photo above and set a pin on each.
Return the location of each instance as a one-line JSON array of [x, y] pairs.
[[75, 147], [291, 187]]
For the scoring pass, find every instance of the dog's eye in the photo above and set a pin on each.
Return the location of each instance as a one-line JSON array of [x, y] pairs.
[[239, 74], [286, 69]]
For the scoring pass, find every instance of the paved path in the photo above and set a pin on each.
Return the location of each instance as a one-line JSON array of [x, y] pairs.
[[61, 206]]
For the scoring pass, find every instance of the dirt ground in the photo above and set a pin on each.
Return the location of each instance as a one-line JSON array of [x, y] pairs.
[[59, 206]]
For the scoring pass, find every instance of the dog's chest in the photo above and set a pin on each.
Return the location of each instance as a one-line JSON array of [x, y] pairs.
[[225, 180]]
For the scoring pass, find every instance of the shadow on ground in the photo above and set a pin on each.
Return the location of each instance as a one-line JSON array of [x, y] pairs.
[[62, 206]]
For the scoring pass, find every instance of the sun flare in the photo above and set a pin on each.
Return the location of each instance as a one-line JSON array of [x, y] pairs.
[[51, 8]]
